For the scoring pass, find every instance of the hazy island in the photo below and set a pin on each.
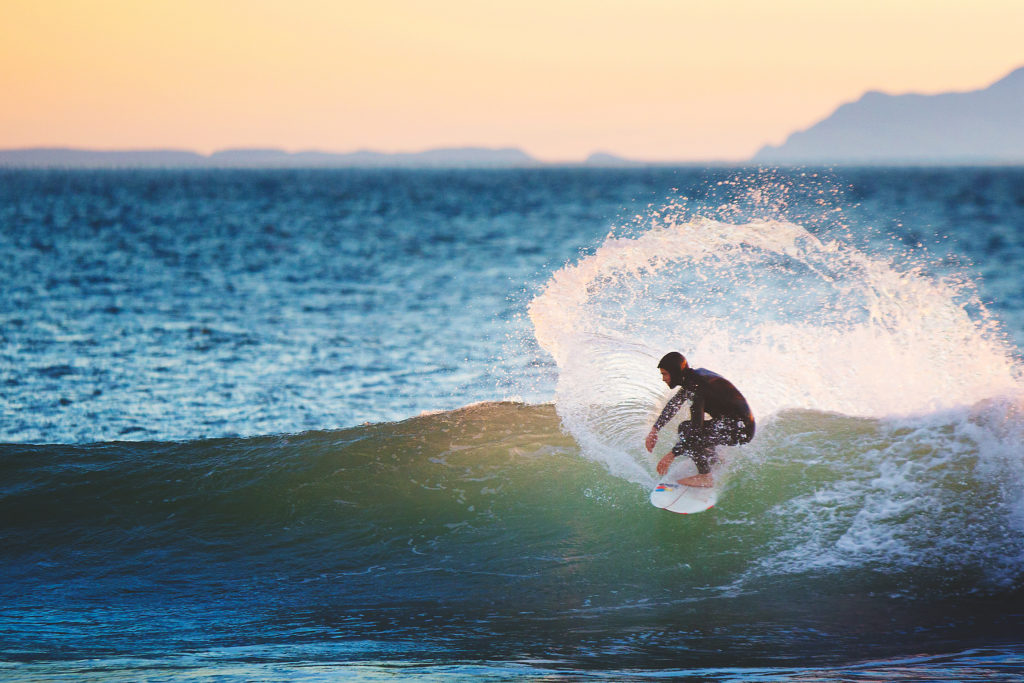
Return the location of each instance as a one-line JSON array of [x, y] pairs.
[[979, 127], [958, 128], [463, 157]]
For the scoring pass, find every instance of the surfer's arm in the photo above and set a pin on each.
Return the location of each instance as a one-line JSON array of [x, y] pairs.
[[667, 413], [697, 410], [670, 409]]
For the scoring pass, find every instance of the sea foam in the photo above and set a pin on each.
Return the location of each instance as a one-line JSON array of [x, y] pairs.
[[794, 320]]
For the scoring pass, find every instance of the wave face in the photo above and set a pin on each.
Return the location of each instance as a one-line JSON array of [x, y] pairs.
[[482, 530]]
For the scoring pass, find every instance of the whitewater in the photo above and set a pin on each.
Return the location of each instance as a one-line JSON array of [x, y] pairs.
[[300, 425], [904, 413]]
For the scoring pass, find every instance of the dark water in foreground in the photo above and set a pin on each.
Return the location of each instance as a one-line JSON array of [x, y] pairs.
[[481, 539], [187, 490]]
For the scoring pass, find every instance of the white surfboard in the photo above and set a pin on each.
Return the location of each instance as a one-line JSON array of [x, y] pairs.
[[685, 500]]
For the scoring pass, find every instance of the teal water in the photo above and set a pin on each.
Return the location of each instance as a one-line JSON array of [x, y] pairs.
[[188, 489], [481, 537]]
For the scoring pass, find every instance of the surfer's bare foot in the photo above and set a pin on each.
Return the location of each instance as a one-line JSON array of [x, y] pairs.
[[701, 480]]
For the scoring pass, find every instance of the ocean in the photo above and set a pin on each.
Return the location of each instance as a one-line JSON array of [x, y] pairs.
[[388, 424]]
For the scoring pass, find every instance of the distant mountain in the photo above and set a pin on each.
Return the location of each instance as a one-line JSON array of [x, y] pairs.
[[475, 157], [62, 157], [468, 157], [609, 160], [981, 126]]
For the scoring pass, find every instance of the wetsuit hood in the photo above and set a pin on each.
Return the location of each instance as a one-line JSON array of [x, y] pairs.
[[676, 366]]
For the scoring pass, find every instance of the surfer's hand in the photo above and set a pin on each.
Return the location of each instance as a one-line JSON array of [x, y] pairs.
[[664, 463], [652, 439]]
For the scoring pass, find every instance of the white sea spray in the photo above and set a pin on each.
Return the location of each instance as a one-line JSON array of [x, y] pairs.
[[802, 323]]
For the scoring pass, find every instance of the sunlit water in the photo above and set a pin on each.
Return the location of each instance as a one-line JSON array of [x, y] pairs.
[[200, 351]]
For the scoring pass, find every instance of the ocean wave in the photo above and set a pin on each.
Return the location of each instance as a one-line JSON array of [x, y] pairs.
[[915, 504]]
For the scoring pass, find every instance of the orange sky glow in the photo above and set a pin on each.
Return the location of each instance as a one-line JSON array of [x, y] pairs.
[[658, 80]]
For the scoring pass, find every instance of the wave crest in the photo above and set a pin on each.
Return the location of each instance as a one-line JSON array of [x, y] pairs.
[[794, 320]]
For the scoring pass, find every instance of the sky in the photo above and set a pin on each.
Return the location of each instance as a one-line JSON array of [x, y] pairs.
[[658, 80]]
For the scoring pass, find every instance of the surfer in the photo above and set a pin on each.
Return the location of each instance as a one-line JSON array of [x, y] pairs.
[[731, 421]]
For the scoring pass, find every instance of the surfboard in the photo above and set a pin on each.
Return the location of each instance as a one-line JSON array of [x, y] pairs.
[[685, 500]]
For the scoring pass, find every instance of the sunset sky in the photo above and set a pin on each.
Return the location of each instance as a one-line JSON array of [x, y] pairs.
[[648, 79]]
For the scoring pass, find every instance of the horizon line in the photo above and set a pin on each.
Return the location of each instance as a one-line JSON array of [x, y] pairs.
[[423, 159]]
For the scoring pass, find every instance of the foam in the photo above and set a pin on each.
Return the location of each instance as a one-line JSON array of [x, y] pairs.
[[794, 320]]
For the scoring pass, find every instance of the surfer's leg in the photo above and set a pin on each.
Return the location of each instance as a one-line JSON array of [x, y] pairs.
[[702, 454]]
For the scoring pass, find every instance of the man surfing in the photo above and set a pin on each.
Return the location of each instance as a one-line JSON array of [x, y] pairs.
[[731, 421]]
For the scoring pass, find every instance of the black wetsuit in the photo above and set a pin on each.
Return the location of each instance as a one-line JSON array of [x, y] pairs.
[[731, 422]]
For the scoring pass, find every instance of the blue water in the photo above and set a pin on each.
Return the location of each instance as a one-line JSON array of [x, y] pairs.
[[301, 424]]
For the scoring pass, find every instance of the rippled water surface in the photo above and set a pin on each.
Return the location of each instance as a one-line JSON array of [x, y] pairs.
[[296, 425]]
